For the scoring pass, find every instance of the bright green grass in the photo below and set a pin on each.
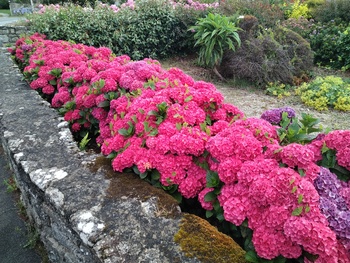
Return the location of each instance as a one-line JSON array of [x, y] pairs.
[[5, 11]]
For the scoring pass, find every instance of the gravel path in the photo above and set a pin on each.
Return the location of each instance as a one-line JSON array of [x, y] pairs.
[[253, 102]]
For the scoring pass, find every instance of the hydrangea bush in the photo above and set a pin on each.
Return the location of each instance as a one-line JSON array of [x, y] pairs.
[[178, 134]]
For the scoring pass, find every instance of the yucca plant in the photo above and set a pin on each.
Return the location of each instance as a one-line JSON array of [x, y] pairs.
[[214, 34]]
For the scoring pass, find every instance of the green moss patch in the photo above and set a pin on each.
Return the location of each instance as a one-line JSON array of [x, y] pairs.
[[199, 239]]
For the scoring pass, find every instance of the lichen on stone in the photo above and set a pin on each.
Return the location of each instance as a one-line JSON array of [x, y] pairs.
[[197, 238], [130, 185]]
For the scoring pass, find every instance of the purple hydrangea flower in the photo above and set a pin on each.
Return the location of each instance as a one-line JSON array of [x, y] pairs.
[[26, 47], [333, 205], [274, 116]]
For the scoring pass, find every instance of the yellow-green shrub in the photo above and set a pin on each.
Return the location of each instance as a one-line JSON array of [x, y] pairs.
[[326, 92], [299, 10]]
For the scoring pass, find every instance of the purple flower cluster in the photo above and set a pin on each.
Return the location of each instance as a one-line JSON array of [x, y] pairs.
[[333, 205], [274, 116], [26, 47]]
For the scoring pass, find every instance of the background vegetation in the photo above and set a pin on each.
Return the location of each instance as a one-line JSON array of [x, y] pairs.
[[281, 41]]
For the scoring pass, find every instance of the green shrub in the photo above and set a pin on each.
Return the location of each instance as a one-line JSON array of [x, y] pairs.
[[74, 23], [280, 56], [300, 25], [298, 50], [299, 10], [215, 34], [313, 5], [268, 14], [326, 92], [331, 10], [153, 29], [4, 4], [330, 42]]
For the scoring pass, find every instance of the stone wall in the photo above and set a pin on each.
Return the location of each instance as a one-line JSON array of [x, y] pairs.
[[83, 211], [9, 34]]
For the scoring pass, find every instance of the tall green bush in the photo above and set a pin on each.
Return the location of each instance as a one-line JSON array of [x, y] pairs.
[[215, 34], [330, 42], [269, 13], [4, 4], [279, 55], [153, 29], [78, 24], [332, 9]]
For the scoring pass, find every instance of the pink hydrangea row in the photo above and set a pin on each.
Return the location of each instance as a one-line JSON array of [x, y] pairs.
[[156, 119]]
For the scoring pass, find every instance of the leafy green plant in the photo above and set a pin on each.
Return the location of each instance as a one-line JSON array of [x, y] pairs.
[[153, 29], [277, 89], [214, 34], [329, 160], [11, 184], [33, 237], [87, 26], [325, 92], [300, 131], [331, 10], [330, 43], [84, 141], [299, 10]]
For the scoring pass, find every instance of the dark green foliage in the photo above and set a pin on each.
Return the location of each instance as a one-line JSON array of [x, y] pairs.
[[302, 26], [267, 12], [4, 4], [332, 9], [153, 29], [302, 130], [93, 27], [298, 50], [330, 42], [273, 56]]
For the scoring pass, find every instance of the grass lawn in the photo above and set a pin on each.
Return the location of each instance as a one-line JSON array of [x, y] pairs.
[[4, 11]]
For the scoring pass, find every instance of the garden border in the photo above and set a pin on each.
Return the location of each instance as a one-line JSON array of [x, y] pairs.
[[82, 212]]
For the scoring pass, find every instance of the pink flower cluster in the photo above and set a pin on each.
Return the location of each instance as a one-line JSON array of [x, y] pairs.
[[73, 76], [150, 118], [161, 123], [195, 5], [45, 8], [282, 208], [339, 140]]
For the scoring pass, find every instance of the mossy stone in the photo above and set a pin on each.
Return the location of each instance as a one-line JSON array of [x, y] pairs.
[[199, 239]]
